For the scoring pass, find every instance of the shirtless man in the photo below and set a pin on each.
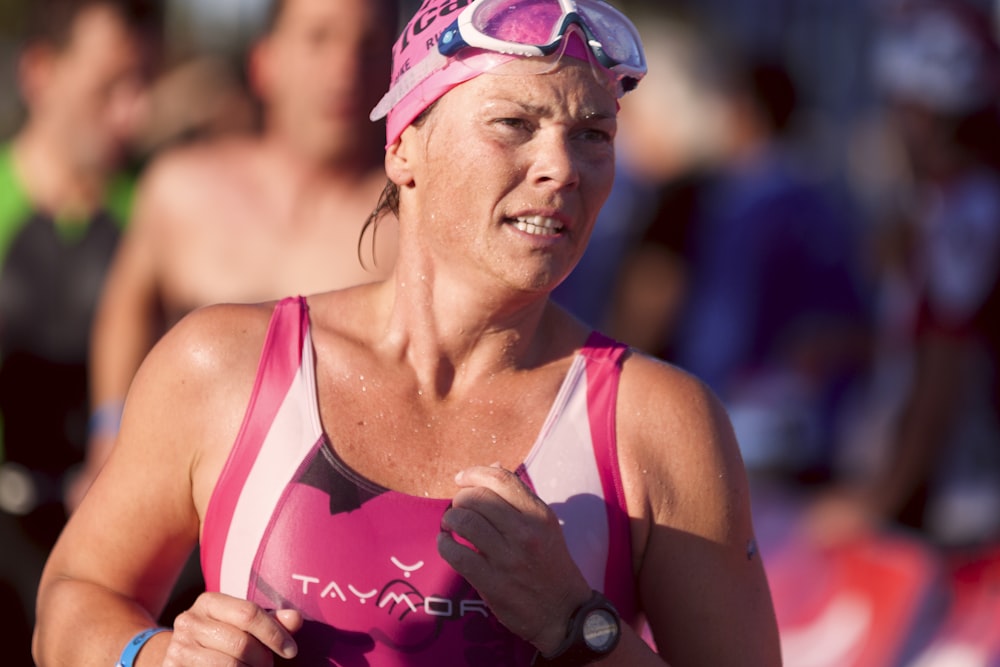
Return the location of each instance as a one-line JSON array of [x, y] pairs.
[[247, 219]]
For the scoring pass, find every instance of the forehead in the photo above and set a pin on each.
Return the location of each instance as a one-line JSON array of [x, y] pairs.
[[569, 87], [97, 31]]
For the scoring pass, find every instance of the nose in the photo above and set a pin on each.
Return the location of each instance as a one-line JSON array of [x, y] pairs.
[[555, 164]]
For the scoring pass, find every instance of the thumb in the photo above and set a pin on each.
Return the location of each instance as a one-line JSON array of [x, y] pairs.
[[290, 619]]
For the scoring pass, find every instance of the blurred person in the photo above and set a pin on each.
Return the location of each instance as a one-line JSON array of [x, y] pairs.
[[199, 98], [64, 196], [748, 275], [589, 292], [312, 444], [248, 217], [651, 150], [935, 466], [252, 217]]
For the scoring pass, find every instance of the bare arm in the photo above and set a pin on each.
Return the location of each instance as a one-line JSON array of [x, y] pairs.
[[121, 551], [701, 580], [943, 365], [930, 409], [127, 323], [128, 320]]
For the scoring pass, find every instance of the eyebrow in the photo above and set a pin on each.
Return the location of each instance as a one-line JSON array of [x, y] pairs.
[[592, 115]]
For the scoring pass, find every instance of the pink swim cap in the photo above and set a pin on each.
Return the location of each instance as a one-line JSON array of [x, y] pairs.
[[421, 74]]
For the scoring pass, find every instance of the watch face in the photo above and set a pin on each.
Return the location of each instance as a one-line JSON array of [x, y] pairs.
[[600, 630]]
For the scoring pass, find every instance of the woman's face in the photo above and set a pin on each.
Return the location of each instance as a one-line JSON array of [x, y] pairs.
[[510, 170]]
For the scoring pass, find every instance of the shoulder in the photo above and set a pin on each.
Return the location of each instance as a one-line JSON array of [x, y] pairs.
[[211, 350], [202, 167], [655, 392], [689, 500], [678, 448]]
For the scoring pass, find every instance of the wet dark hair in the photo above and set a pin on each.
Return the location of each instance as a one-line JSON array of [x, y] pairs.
[[388, 202], [51, 22]]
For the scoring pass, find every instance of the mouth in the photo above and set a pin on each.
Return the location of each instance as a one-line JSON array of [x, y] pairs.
[[537, 225]]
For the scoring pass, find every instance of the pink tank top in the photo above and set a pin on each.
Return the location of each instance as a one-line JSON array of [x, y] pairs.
[[290, 526]]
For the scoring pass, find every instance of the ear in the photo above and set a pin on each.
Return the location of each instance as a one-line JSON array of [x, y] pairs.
[[399, 158], [35, 71]]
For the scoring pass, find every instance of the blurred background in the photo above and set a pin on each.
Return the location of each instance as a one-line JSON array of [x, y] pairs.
[[806, 216]]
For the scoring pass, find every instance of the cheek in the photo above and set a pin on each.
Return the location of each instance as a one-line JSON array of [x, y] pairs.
[[597, 181]]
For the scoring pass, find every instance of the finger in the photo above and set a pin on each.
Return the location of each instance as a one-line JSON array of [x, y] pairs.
[[466, 561], [290, 619], [473, 529], [253, 620], [503, 483], [497, 532], [506, 502], [201, 640]]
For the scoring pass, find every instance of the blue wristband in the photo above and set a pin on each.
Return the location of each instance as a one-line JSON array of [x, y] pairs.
[[105, 419], [135, 645]]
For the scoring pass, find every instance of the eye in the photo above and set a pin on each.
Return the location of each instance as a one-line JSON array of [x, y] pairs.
[[596, 135], [513, 123]]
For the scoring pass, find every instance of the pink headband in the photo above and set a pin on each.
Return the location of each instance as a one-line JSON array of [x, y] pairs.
[[421, 75]]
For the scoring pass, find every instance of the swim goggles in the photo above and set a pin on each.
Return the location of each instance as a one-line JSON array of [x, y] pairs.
[[533, 29], [494, 25]]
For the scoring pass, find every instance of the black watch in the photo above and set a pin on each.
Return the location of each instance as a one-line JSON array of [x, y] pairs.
[[594, 631]]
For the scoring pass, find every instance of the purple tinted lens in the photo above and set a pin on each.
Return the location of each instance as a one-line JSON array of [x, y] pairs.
[[533, 22]]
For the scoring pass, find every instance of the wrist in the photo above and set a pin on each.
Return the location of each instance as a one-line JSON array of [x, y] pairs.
[[592, 632], [554, 634]]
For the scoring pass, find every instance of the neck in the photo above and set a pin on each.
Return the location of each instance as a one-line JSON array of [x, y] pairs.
[[51, 180], [346, 165], [454, 334]]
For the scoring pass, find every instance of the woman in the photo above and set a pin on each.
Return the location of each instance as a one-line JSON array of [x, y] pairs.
[[442, 468]]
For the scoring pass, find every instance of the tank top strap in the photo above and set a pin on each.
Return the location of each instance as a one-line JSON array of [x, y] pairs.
[[604, 357], [280, 360], [603, 348]]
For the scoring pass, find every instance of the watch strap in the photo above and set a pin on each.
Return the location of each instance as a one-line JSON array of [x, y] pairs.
[[574, 649]]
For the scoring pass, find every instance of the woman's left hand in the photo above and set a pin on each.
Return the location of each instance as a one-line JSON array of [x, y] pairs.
[[508, 544]]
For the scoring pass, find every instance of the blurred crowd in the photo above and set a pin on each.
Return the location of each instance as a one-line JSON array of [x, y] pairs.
[[806, 216]]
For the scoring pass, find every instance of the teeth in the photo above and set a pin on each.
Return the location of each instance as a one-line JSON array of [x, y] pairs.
[[536, 224]]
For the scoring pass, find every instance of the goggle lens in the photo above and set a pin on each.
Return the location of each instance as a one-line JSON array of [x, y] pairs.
[[622, 48], [493, 19], [542, 24]]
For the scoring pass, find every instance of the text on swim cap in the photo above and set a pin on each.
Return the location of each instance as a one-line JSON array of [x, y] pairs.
[[428, 14]]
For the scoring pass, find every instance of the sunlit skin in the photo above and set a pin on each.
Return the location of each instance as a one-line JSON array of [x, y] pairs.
[[497, 149], [436, 383]]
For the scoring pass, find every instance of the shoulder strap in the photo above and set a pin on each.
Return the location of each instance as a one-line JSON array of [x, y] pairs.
[[604, 358], [278, 367]]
